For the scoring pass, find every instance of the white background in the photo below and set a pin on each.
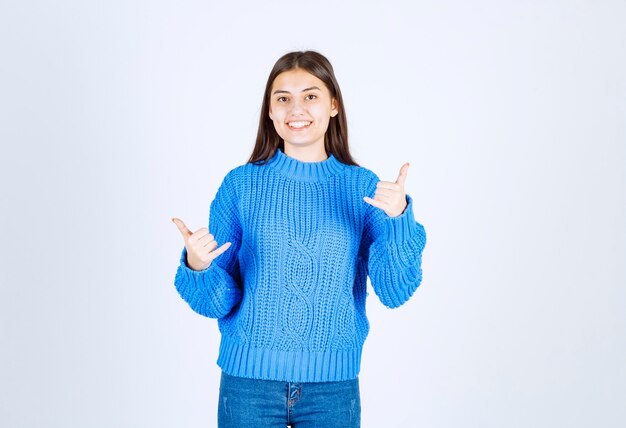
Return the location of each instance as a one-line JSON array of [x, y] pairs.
[[116, 116]]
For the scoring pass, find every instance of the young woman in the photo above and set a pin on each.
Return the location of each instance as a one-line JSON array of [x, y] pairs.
[[301, 225]]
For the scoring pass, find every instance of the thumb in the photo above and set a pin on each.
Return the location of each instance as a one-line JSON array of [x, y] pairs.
[[402, 176], [183, 229]]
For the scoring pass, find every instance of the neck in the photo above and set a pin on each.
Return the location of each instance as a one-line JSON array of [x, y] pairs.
[[315, 153]]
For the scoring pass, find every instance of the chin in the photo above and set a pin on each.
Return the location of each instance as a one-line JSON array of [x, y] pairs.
[[298, 143]]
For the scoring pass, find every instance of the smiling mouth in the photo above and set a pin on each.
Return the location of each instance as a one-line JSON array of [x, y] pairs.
[[303, 124]]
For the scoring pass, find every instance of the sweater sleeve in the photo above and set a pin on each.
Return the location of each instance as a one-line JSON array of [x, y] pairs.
[[214, 291], [394, 256]]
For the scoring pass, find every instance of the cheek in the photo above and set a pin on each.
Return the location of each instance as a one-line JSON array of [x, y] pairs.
[[277, 113], [320, 111], [322, 118]]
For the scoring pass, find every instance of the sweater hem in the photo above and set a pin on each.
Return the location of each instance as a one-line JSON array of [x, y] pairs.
[[237, 359]]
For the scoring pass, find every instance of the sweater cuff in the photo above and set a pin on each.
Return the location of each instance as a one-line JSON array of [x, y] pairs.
[[402, 227], [183, 263]]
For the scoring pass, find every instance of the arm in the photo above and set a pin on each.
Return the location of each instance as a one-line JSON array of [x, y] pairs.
[[394, 256], [214, 291]]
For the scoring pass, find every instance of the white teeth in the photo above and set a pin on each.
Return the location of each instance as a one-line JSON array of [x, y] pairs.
[[299, 124]]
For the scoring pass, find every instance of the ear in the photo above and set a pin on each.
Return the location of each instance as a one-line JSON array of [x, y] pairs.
[[270, 111], [334, 107]]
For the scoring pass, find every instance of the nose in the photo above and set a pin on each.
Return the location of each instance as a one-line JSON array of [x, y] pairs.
[[297, 107]]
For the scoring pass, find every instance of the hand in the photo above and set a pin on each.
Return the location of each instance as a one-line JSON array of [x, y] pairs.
[[200, 245], [390, 196]]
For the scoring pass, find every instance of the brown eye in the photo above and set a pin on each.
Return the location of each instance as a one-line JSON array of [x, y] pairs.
[[280, 98], [312, 95]]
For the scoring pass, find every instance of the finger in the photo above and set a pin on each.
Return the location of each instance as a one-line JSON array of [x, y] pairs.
[[385, 192], [205, 250], [220, 250], [205, 240], [199, 234], [387, 185], [402, 177], [385, 199], [210, 246], [182, 228], [374, 202]]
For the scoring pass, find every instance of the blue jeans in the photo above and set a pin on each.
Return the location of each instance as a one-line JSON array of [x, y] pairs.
[[257, 403]]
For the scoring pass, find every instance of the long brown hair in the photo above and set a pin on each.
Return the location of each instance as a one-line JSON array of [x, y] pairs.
[[336, 137]]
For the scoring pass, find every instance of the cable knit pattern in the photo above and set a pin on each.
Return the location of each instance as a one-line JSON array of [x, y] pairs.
[[289, 294]]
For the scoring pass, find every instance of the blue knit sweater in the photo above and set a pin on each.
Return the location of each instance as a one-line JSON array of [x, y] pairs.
[[289, 294]]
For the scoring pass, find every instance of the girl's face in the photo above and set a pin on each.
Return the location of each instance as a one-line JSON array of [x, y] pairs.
[[301, 107]]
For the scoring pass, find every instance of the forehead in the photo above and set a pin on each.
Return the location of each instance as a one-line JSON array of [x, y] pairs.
[[295, 80]]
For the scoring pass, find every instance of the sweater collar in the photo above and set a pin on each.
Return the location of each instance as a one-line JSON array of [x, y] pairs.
[[305, 171]]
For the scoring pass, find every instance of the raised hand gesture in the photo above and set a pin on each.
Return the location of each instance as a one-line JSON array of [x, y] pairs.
[[200, 246], [390, 196]]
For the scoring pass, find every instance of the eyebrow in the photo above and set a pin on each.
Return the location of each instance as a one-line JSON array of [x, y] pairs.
[[278, 91]]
